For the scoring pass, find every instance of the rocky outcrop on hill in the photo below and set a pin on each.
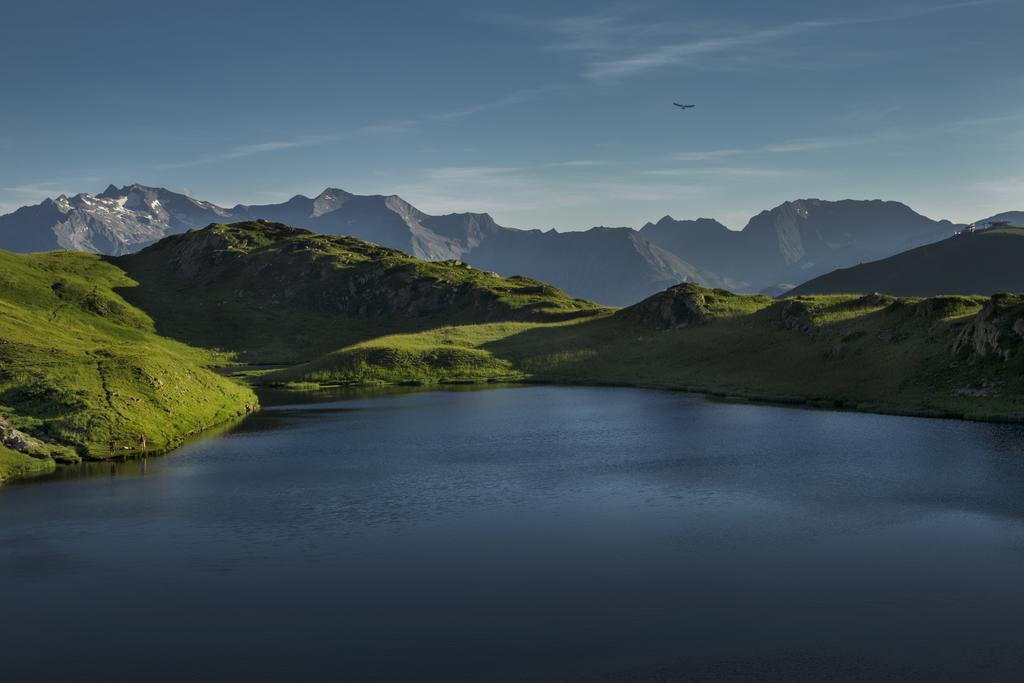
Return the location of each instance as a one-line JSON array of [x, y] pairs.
[[19, 441], [997, 331], [794, 314], [674, 308]]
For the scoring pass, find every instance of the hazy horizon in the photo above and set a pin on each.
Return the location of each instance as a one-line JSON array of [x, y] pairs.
[[543, 117]]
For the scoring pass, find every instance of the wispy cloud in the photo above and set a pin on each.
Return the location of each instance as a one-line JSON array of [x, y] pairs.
[[32, 189], [512, 98], [15, 196], [517, 192], [254, 149], [985, 122], [393, 127], [617, 46], [683, 53], [787, 147], [579, 163], [40, 190], [469, 173], [1005, 191], [725, 172]]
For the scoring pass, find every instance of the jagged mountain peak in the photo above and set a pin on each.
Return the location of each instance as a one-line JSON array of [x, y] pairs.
[[668, 220], [334, 192], [113, 191], [331, 199]]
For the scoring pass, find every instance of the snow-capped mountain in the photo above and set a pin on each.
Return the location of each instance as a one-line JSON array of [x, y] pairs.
[[116, 221]]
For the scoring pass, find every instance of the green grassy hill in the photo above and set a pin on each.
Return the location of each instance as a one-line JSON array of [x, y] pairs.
[[984, 262], [94, 350], [276, 294], [79, 367], [914, 356]]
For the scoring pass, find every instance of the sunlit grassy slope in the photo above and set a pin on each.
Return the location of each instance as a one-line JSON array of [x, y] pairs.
[[868, 353], [79, 366], [15, 464]]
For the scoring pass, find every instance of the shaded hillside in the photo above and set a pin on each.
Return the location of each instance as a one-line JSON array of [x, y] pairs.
[[983, 262], [953, 356], [79, 367], [798, 240], [704, 241], [274, 293]]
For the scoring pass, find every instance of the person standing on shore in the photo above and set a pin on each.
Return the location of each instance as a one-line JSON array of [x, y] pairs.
[[142, 442]]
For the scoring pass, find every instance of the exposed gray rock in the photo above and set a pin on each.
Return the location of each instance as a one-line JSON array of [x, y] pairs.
[[794, 314], [674, 308], [938, 307], [983, 389], [995, 331]]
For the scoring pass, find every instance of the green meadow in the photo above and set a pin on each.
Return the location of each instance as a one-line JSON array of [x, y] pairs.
[[81, 369]]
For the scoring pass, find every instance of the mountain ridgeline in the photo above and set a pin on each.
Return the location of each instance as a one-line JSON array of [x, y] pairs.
[[798, 240], [787, 245], [122, 220]]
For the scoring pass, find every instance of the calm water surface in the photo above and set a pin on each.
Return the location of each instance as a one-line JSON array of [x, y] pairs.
[[536, 533]]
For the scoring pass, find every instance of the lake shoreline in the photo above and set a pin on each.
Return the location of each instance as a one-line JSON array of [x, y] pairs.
[[50, 469], [712, 394]]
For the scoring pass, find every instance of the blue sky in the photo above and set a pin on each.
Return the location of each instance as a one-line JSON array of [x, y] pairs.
[[546, 114]]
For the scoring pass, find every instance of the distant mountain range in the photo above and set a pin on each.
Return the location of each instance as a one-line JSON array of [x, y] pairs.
[[984, 262], [612, 266], [789, 244], [798, 240]]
